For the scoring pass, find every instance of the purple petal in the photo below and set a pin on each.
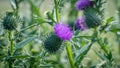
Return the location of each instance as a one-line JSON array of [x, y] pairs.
[[63, 31], [80, 23], [81, 4]]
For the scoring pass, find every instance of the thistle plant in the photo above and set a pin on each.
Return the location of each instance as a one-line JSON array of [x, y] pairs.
[[67, 34]]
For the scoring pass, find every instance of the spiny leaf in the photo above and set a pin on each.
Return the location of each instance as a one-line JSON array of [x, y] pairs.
[[34, 8], [24, 42], [100, 55], [13, 4], [82, 52], [109, 20]]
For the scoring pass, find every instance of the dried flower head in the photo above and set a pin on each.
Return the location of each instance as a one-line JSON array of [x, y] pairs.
[[82, 4], [80, 23], [63, 31]]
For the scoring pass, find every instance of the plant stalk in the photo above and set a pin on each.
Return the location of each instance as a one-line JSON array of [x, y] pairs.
[[11, 49], [57, 10], [103, 46], [69, 53], [11, 42], [118, 35], [118, 43]]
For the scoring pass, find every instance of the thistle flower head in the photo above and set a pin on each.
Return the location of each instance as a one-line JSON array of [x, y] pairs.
[[52, 43], [81, 4], [93, 18], [10, 21], [80, 23], [63, 31]]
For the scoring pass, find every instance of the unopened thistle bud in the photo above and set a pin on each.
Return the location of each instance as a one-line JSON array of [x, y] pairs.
[[52, 43], [10, 21], [93, 18]]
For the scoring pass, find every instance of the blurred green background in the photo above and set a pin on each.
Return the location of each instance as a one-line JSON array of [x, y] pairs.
[[110, 6]]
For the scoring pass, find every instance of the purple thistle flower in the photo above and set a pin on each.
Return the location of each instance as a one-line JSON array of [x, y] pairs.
[[81, 4], [80, 23], [63, 31]]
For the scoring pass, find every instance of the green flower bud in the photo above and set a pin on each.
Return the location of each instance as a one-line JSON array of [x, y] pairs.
[[10, 21], [93, 18], [52, 43]]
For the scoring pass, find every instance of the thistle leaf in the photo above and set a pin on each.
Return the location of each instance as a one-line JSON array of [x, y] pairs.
[[82, 52], [13, 4], [24, 42]]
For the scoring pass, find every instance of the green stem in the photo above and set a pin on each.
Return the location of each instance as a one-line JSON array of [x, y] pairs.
[[100, 42], [119, 47], [83, 36], [57, 10], [28, 27], [11, 48], [118, 35], [118, 8], [103, 46], [118, 38], [69, 53], [15, 6], [72, 14], [10, 64], [11, 42]]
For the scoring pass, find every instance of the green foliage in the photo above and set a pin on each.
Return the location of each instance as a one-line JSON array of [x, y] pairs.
[[82, 52], [24, 42]]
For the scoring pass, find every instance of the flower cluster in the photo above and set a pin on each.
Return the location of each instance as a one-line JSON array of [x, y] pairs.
[[93, 18], [63, 32]]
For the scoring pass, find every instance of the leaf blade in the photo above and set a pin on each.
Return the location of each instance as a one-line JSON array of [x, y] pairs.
[[24, 42]]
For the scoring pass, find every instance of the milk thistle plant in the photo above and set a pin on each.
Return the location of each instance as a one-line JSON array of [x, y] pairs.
[[69, 34]]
